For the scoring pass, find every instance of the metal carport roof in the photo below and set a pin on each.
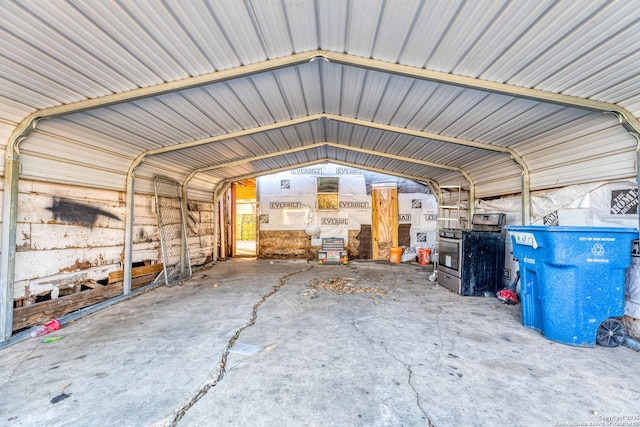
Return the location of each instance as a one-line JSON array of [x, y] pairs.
[[509, 95]]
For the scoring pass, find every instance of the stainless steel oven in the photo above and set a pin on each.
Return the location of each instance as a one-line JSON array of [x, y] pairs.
[[450, 251], [471, 262]]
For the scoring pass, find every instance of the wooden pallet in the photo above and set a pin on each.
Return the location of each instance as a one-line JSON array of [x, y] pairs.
[[38, 313]]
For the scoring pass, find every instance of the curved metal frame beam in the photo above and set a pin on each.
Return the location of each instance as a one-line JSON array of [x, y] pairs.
[[318, 145], [28, 124], [431, 183], [228, 181]]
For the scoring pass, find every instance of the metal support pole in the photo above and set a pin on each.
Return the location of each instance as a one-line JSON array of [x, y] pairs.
[[472, 200], [216, 222], [526, 199], [637, 137], [7, 257], [183, 257], [128, 234]]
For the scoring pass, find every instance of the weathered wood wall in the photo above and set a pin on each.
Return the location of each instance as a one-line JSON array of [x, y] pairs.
[[69, 235], [296, 244], [200, 232]]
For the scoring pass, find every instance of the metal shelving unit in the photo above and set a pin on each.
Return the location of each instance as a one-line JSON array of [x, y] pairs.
[[453, 211]]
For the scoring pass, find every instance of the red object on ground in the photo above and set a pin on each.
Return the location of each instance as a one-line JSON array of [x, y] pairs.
[[508, 296], [50, 326], [424, 256]]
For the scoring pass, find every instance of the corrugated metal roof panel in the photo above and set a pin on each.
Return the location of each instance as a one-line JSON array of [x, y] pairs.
[[584, 73], [565, 155], [301, 25], [598, 22], [189, 118], [311, 79], [331, 18], [351, 85], [197, 17], [417, 99], [493, 188], [13, 111], [611, 167], [498, 33], [431, 27], [67, 152], [274, 26], [290, 87], [466, 27], [262, 97], [123, 126], [53, 53], [616, 90], [29, 45], [95, 50], [46, 169], [26, 95], [586, 126], [389, 36], [68, 128], [135, 32], [396, 92], [551, 27], [631, 102]]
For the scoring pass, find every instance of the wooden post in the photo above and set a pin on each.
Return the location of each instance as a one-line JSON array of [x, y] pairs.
[[384, 220]]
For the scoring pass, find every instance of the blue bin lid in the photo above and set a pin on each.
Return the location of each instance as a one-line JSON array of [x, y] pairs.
[[564, 229]]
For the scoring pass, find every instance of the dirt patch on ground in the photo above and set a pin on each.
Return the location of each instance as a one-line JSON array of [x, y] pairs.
[[343, 286]]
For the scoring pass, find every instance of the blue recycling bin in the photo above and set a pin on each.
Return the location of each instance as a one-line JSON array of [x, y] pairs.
[[571, 278]]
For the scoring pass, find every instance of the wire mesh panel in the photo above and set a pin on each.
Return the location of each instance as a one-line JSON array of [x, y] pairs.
[[172, 230]]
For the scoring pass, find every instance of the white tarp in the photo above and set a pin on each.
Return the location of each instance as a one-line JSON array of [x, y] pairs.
[[287, 201], [611, 204], [420, 210]]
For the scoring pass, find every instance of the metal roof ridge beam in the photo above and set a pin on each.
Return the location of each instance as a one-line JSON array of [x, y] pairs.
[[396, 157], [317, 145], [323, 144], [526, 180], [277, 170], [225, 137], [248, 159], [318, 161], [433, 184], [28, 124], [472, 187], [628, 120], [423, 134]]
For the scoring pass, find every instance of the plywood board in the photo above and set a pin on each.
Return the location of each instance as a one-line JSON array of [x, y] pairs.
[[384, 227], [41, 312], [118, 276]]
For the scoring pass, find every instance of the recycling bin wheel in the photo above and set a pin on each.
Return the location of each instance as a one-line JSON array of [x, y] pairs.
[[610, 333]]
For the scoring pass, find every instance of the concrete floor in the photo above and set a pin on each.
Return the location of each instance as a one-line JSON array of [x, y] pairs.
[[415, 355], [245, 248]]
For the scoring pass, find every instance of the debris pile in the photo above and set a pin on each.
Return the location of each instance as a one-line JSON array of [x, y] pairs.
[[343, 286]]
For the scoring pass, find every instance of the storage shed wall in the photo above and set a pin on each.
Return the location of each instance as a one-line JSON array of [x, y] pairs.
[[69, 235], [288, 205]]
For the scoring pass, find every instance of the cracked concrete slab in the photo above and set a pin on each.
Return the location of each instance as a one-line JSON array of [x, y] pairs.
[[414, 355]]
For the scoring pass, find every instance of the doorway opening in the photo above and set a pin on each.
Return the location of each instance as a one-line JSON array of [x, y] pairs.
[[245, 211]]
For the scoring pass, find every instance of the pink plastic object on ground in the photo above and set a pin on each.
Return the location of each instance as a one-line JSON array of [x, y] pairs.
[[50, 326]]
